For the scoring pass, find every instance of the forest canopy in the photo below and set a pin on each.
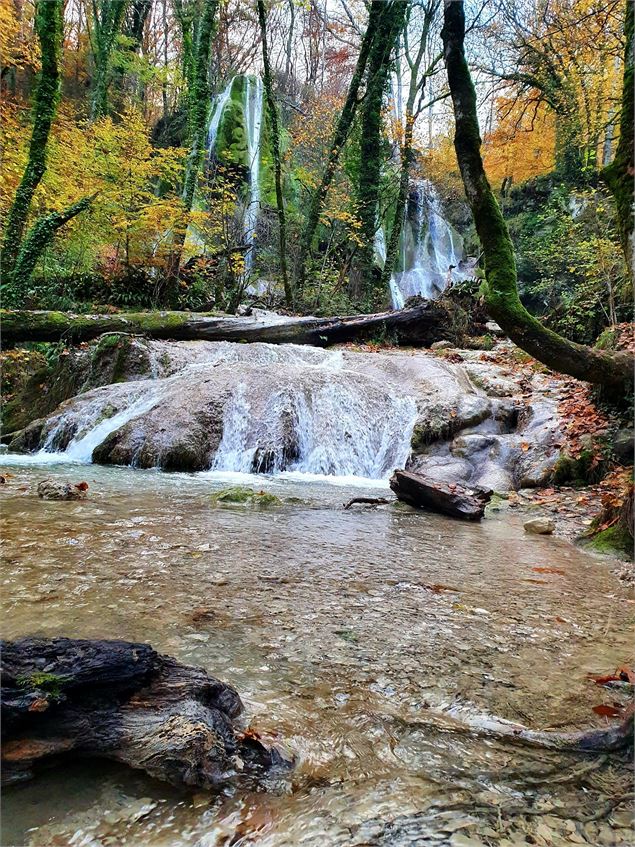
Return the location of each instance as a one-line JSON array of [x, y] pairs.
[[193, 153]]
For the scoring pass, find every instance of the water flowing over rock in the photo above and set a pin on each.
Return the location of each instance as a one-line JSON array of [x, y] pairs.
[[431, 251], [265, 408]]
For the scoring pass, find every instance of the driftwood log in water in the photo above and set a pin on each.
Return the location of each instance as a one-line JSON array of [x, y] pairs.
[[447, 498], [606, 739], [420, 325], [122, 701]]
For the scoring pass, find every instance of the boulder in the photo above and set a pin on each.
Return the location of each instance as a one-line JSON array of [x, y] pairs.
[[540, 526]]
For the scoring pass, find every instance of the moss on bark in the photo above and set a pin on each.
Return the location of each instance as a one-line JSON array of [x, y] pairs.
[[501, 292]]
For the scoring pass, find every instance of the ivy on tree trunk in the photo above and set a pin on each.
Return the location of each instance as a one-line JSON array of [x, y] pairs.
[[277, 160], [619, 174], [390, 25], [501, 292], [107, 19], [49, 29], [198, 100]]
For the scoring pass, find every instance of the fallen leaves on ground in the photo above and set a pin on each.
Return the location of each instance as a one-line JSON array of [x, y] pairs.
[[608, 711]]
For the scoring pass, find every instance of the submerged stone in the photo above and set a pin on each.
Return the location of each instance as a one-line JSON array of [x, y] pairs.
[[244, 495]]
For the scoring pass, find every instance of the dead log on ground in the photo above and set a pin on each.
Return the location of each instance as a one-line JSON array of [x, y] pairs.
[[121, 701], [447, 498], [419, 325]]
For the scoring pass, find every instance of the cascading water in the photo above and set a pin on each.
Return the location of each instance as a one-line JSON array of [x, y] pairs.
[[431, 251], [275, 408], [322, 419], [217, 113], [253, 120]]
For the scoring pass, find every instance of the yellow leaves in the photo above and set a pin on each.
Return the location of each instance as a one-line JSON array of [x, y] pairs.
[[522, 145]]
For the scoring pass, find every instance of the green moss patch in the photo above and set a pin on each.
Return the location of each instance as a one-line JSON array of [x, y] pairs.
[[243, 495]]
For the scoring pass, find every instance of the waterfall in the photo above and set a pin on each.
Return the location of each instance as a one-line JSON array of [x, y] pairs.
[[431, 251], [217, 113], [275, 408], [253, 120], [323, 419]]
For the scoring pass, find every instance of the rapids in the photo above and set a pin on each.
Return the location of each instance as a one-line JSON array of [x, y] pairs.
[[350, 635]]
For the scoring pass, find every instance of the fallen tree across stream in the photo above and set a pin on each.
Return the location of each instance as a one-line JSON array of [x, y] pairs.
[[419, 325], [66, 697]]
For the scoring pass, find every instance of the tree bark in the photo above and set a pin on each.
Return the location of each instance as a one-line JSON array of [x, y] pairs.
[[277, 160], [49, 28], [448, 499], [41, 234], [122, 701], [619, 174], [107, 20], [390, 25], [340, 137], [419, 325], [198, 108], [501, 292]]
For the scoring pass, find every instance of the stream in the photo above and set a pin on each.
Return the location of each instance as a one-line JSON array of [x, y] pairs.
[[352, 637]]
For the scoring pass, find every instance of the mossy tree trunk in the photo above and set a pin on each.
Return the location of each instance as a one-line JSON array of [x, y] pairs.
[[340, 136], [277, 159], [198, 101], [108, 17], [501, 292], [390, 26], [49, 28], [40, 236], [619, 174]]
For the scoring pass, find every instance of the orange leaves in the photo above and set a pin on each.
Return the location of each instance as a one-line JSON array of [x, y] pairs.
[[583, 420], [550, 570], [608, 711], [622, 674]]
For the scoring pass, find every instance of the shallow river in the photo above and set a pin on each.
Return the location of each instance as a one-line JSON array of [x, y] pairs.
[[349, 635]]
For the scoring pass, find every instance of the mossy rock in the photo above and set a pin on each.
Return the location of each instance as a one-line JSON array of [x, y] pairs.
[[613, 540], [243, 495], [582, 470]]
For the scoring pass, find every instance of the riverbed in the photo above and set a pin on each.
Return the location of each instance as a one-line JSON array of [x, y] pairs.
[[355, 637]]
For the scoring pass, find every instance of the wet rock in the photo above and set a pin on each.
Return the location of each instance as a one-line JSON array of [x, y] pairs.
[[242, 494], [623, 445], [442, 345], [540, 526], [48, 489]]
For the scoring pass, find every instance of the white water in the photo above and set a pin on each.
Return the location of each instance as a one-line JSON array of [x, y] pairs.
[[431, 251], [283, 408], [253, 121], [217, 113]]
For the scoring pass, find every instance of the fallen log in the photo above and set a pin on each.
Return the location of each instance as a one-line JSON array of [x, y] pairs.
[[422, 325], [121, 701], [606, 739], [455, 500]]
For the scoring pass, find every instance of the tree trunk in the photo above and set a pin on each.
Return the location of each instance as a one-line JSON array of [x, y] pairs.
[[420, 325], [340, 137], [107, 20], [391, 23], [198, 110], [402, 199], [501, 293], [277, 161], [49, 28], [619, 174], [122, 701], [41, 234]]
